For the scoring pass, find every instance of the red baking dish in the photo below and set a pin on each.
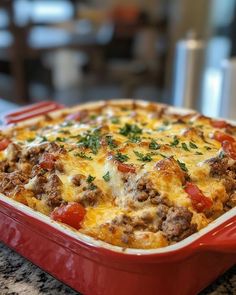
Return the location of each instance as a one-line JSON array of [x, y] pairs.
[[94, 267]]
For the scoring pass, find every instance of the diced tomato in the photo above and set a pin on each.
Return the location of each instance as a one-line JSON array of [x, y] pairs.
[[122, 167], [229, 148], [219, 124], [4, 143], [78, 116], [221, 136], [71, 214], [47, 161], [199, 201]]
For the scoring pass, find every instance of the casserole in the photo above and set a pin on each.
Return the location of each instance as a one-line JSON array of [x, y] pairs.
[[110, 267]]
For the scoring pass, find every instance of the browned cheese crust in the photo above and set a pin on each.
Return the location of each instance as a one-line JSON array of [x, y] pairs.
[[128, 164]]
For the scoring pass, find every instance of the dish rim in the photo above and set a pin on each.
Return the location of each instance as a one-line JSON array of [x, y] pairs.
[[78, 236]]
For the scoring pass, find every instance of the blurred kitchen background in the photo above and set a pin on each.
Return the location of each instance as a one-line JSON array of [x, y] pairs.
[[73, 51]]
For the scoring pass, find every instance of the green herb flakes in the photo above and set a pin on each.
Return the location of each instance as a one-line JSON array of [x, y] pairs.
[[182, 166], [184, 146], [110, 142], [61, 139], [130, 129], [90, 179], [142, 157], [193, 145], [90, 140], [121, 157], [198, 153], [107, 177], [43, 139], [175, 142], [154, 145], [83, 156], [115, 120], [30, 139]]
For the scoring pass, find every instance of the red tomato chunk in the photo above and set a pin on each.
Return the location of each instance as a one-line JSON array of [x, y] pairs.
[[125, 168], [47, 161], [4, 143], [221, 136], [229, 148], [199, 201], [71, 214]]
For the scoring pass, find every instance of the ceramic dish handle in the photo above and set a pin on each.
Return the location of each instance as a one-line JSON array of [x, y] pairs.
[[222, 239], [31, 111]]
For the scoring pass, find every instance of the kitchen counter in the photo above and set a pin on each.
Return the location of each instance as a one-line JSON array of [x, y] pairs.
[[20, 277]]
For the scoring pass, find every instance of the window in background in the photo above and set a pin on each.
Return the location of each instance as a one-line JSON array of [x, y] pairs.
[[42, 11]]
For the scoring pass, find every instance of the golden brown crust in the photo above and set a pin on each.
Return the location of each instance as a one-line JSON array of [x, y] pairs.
[[128, 163]]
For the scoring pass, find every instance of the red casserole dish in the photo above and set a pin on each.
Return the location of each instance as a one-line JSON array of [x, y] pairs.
[[94, 267]]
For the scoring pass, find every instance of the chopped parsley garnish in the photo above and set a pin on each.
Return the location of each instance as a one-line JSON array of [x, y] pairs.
[[162, 155], [193, 145], [43, 139], [92, 186], [61, 139], [30, 139], [154, 145], [91, 140], [175, 142], [115, 120], [90, 178], [182, 166], [132, 132], [121, 157], [67, 124], [185, 147], [198, 153], [110, 141], [142, 157], [134, 138], [107, 177], [130, 129], [83, 156], [207, 148], [93, 116]]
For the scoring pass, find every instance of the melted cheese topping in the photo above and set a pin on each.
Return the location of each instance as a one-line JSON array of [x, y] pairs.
[[136, 137]]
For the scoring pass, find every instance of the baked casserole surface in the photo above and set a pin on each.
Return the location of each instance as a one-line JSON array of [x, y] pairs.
[[132, 174]]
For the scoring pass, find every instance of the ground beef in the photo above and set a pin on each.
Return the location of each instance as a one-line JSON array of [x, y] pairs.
[[52, 190], [162, 211], [147, 192], [231, 202], [38, 186], [90, 197], [177, 224], [146, 221], [34, 153], [7, 166], [78, 179], [218, 166], [11, 182], [123, 222], [49, 187], [225, 169], [36, 171]]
